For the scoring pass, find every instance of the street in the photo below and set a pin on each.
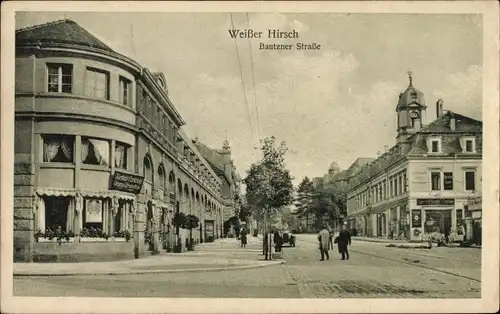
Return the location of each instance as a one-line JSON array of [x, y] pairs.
[[373, 271]]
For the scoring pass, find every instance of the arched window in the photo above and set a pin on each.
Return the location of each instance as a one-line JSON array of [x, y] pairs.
[[171, 182], [161, 177], [148, 169]]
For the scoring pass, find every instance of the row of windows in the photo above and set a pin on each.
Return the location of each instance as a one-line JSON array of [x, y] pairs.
[[397, 184], [468, 145], [155, 114], [97, 83], [444, 180], [61, 148]]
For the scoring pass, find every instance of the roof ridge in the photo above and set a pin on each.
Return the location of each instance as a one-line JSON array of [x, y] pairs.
[[29, 28]]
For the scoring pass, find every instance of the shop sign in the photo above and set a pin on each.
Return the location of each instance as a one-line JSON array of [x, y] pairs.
[[435, 201], [476, 215], [475, 203], [416, 218], [93, 211], [127, 182]]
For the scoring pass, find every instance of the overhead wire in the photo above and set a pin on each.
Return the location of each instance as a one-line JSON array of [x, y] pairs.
[[253, 79], [243, 83]]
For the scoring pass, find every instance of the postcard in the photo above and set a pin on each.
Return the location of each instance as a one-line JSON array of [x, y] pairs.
[[250, 157]]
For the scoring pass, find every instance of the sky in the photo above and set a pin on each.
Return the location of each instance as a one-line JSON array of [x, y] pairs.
[[330, 105]]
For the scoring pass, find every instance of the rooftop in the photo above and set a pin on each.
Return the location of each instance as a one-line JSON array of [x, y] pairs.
[[62, 31]]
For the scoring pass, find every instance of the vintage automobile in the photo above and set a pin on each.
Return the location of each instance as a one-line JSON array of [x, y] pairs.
[[288, 238]]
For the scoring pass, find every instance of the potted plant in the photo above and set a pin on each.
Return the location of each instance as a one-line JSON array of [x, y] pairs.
[[191, 222], [179, 221], [38, 234]]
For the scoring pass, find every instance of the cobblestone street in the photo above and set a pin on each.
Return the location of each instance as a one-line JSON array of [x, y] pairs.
[[373, 271]]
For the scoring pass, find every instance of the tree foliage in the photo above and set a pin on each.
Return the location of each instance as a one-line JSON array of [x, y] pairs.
[[268, 182], [245, 210], [191, 221], [304, 198], [325, 200]]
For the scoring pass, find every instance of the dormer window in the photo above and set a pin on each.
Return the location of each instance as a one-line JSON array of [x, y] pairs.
[[434, 145], [468, 144]]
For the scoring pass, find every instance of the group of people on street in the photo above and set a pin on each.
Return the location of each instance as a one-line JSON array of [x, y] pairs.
[[326, 241]]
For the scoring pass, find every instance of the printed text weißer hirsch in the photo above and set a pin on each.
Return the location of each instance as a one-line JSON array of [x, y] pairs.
[[275, 34]]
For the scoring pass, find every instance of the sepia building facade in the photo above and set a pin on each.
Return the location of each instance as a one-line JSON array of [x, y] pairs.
[[100, 153], [424, 183], [222, 164]]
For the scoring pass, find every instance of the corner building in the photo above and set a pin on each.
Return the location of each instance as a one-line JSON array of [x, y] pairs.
[[99, 153], [424, 183]]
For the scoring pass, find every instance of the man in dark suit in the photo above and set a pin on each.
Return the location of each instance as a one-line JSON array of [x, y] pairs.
[[344, 239]]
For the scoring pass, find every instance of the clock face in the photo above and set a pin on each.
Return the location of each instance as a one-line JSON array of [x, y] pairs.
[[414, 115]]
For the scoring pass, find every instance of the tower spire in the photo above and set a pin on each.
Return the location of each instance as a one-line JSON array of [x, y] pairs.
[[410, 78]]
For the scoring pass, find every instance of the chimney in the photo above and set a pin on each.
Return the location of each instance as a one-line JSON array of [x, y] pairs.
[[452, 121], [439, 108]]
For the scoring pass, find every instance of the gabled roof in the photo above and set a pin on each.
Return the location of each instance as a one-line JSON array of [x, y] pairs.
[[62, 31], [450, 139], [463, 124], [416, 145]]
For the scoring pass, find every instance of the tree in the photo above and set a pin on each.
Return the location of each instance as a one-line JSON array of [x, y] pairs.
[[268, 182], [322, 203], [245, 210], [304, 199], [191, 222]]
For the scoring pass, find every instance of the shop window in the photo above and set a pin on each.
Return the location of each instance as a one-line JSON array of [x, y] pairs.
[[97, 83], [93, 216], [120, 219], [59, 78], [125, 91], [95, 152], [56, 213], [435, 181], [58, 148], [121, 151], [448, 181], [470, 180]]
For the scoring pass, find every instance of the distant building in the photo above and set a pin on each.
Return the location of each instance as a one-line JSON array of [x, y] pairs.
[[222, 164], [424, 183], [100, 152]]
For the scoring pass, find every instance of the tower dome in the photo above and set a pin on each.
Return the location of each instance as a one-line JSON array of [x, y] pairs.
[[411, 97], [225, 145], [411, 111], [334, 168]]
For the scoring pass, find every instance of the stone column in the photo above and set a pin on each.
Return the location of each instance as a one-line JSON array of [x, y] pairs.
[[139, 224], [154, 230], [78, 215]]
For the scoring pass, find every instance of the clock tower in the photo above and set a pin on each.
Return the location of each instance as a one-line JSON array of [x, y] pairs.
[[410, 112]]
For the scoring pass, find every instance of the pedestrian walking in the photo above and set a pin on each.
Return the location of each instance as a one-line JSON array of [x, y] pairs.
[[343, 240], [330, 238], [323, 239], [243, 237], [278, 240]]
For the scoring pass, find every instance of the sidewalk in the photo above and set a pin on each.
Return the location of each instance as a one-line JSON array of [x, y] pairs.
[[206, 257], [405, 244]]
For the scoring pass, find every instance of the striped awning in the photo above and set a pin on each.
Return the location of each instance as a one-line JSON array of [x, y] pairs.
[[85, 193]]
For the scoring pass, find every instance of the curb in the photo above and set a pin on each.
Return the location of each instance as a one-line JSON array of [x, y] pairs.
[[139, 272]]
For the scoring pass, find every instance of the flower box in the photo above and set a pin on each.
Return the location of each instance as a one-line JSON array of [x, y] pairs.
[[63, 240], [95, 240], [118, 239]]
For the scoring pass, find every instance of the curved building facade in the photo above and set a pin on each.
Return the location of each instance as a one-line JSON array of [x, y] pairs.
[[100, 156]]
